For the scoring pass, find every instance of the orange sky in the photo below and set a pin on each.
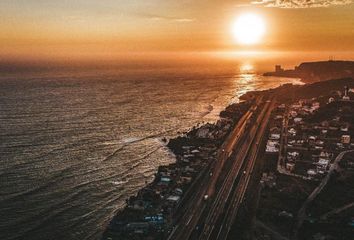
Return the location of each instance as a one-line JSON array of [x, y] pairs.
[[108, 28]]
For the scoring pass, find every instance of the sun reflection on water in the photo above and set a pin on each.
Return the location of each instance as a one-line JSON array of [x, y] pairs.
[[246, 68], [245, 80]]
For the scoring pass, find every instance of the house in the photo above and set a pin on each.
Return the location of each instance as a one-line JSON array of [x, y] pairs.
[[290, 166], [185, 179], [293, 114], [275, 130], [189, 169], [311, 173], [178, 191], [297, 105], [188, 155], [282, 106], [139, 204], [173, 198], [186, 147], [324, 158], [315, 105], [319, 142], [297, 120], [285, 214], [138, 227], [345, 139], [155, 219], [292, 156], [203, 132], [278, 117], [165, 179], [322, 164], [272, 146], [311, 140], [325, 124], [292, 131], [274, 136], [344, 128]]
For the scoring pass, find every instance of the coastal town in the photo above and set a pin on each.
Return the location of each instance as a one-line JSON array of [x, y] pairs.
[[177, 120], [272, 152], [305, 146], [151, 214], [307, 134]]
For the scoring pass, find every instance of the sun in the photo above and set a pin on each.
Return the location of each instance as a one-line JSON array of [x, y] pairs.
[[249, 28]]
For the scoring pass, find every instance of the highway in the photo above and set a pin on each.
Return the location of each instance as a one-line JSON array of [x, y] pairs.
[[235, 201], [189, 213], [228, 183]]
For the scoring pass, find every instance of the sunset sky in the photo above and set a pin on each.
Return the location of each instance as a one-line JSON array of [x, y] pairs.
[[42, 28]]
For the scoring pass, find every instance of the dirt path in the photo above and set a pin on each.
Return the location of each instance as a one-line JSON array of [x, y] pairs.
[[337, 211], [275, 235], [302, 212]]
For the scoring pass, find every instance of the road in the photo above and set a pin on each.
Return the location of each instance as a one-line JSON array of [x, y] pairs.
[[245, 137], [188, 215], [231, 195], [302, 212], [283, 143], [337, 211], [275, 235]]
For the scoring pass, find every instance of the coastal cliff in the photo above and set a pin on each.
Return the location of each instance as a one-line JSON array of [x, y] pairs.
[[316, 71]]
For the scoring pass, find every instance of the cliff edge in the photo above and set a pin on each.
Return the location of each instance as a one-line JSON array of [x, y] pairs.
[[317, 71]]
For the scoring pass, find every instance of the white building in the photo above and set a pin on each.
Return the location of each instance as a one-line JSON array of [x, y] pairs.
[[322, 164], [272, 146], [345, 139], [315, 105], [297, 120], [344, 128], [311, 173], [274, 136], [346, 97]]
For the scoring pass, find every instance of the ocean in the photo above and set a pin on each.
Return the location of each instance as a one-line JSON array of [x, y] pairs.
[[75, 143]]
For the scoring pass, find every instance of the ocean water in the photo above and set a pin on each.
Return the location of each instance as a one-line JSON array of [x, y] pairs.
[[74, 144]]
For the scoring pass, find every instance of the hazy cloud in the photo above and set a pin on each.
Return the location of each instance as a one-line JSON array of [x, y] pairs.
[[301, 3], [184, 19], [167, 18]]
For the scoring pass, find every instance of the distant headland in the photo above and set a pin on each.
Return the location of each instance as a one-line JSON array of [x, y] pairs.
[[316, 71]]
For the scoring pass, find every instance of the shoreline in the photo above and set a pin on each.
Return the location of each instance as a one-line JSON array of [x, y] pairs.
[[152, 211]]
